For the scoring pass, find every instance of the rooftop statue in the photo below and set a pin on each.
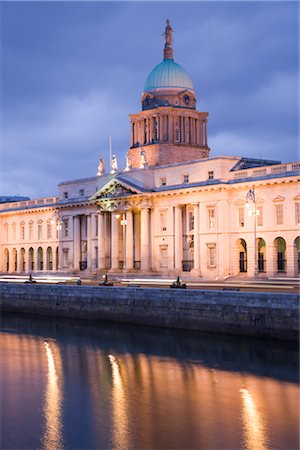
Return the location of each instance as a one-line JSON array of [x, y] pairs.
[[114, 164], [101, 166]]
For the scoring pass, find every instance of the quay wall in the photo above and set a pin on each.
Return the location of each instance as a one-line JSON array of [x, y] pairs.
[[261, 314]]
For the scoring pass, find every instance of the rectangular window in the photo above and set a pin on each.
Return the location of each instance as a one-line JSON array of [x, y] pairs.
[[66, 228], [6, 231], [49, 230], [40, 231], [163, 181], [211, 218], [81, 192], [14, 231], [191, 220], [211, 255], [163, 221], [22, 232], [297, 213], [66, 195], [211, 175], [241, 212], [279, 214], [185, 179], [65, 257], [260, 216], [30, 231]]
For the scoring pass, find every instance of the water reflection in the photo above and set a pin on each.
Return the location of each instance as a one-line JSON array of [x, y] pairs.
[[111, 386], [254, 429], [120, 423], [53, 438]]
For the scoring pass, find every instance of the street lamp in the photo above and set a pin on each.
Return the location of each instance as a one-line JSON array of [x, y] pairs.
[[251, 201], [55, 219]]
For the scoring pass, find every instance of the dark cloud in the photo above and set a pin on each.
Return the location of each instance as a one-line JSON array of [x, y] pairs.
[[72, 72]]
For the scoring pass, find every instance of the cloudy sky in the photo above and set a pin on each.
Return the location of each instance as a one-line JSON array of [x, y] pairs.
[[72, 72]]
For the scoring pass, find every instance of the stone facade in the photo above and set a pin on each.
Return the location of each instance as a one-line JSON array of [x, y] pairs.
[[172, 210], [262, 314]]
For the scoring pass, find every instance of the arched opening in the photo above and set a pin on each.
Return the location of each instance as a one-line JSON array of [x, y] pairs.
[[261, 254], [15, 259], [22, 259], [57, 262], [40, 258], [280, 247], [297, 255], [6, 260], [31, 258], [242, 254], [49, 259]]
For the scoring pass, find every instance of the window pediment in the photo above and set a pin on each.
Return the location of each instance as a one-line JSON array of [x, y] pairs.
[[279, 198]]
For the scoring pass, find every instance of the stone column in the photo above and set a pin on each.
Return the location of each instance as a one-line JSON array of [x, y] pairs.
[[53, 258], [19, 261], [145, 239], [101, 246], [11, 261], [196, 240], [129, 241], [114, 243], [178, 238], [290, 260], [205, 128], [89, 242], [76, 242]]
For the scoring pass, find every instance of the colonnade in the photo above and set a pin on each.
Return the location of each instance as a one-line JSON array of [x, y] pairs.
[[163, 127]]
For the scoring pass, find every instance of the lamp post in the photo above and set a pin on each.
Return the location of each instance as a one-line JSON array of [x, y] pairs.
[[251, 201], [55, 219]]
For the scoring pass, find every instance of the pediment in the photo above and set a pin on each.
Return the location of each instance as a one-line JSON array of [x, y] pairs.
[[115, 189], [279, 198], [239, 202], [297, 197]]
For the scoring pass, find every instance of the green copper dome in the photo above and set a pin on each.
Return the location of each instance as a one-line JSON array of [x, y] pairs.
[[168, 74]]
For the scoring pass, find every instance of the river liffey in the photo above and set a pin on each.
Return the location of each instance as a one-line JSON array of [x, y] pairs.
[[89, 385]]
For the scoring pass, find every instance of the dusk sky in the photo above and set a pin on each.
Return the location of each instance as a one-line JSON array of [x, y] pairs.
[[73, 71]]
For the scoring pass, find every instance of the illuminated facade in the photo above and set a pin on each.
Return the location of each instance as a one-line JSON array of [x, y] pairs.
[[174, 209]]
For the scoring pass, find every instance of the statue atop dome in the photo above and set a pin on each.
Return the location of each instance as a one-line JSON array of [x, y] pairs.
[[168, 33]]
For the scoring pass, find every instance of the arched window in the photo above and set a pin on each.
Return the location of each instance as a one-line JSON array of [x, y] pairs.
[[31, 259], [280, 247], [49, 259], [242, 254], [40, 258], [6, 260]]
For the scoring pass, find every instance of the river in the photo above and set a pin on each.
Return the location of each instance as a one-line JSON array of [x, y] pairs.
[[78, 384]]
